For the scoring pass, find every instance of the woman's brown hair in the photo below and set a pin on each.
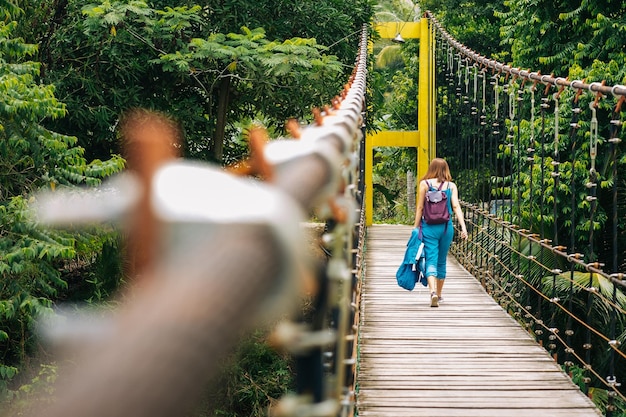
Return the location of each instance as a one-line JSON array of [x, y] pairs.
[[439, 169]]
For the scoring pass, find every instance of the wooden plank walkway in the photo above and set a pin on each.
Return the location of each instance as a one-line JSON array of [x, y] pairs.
[[467, 357]]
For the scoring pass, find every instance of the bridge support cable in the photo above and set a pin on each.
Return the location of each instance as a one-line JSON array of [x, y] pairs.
[[555, 208], [614, 141], [234, 257], [536, 193]]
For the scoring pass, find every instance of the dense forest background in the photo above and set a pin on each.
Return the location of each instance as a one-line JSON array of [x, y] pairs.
[[70, 70]]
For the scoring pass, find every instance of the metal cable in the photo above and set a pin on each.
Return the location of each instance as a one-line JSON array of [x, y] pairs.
[[616, 90]]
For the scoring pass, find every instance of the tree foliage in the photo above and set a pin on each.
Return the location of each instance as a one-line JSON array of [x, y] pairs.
[[206, 63], [31, 157], [552, 37], [253, 379], [473, 23]]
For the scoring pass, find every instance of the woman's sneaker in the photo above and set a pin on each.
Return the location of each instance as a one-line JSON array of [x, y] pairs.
[[434, 300]]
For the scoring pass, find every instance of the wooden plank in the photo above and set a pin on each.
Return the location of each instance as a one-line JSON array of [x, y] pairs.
[[467, 357], [455, 412]]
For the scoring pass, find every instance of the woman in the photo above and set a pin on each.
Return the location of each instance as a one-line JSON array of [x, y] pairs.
[[438, 237]]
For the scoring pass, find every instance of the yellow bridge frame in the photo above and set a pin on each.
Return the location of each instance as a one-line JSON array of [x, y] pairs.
[[424, 139]]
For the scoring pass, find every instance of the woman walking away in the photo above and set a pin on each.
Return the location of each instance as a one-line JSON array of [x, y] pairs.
[[436, 227]]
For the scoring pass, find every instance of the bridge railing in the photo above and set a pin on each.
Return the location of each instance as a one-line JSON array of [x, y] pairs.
[[233, 255], [537, 160]]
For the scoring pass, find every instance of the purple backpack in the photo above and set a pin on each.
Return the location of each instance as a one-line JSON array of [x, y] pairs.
[[436, 205]]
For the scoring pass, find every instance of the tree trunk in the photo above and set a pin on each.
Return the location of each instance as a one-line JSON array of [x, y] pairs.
[[410, 191], [220, 127]]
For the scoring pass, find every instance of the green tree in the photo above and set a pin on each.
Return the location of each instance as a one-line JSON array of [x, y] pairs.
[[31, 157], [473, 23], [257, 71], [564, 33], [132, 54]]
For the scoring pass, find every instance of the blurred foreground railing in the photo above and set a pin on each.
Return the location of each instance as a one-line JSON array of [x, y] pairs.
[[231, 255]]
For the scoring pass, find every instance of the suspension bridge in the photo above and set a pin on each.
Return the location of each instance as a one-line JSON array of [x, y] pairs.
[[519, 317]]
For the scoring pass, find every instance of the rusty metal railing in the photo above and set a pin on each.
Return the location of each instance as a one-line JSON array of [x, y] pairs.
[[230, 255]]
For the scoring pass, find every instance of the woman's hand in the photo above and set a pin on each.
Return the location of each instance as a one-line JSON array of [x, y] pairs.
[[463, 234]]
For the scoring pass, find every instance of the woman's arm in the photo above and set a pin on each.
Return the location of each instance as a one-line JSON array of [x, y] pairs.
[[421, 196], [456, 207]]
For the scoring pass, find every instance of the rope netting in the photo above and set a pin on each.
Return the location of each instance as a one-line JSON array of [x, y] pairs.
[[537, 160]]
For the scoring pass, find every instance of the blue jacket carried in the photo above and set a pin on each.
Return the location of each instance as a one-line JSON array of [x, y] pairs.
[[412, 269]]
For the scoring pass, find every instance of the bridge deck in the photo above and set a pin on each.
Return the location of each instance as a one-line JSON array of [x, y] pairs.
[[466, 358]]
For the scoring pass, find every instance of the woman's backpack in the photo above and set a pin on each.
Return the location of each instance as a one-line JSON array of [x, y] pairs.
[[436, 205]]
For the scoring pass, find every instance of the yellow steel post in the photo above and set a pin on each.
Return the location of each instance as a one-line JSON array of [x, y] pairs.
[[424, 101], [407, 138], [424, 138], [388, 30], [369, 183], [432, 147]]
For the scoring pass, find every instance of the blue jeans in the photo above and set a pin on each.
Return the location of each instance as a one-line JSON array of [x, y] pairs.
[[437, 240]]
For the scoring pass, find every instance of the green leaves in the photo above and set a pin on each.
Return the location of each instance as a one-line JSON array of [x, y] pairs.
[[260, 73], [250, 56], [202, 64], [562, 34], [7, 372], [113, 13], [180, 18], [33, 156]]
